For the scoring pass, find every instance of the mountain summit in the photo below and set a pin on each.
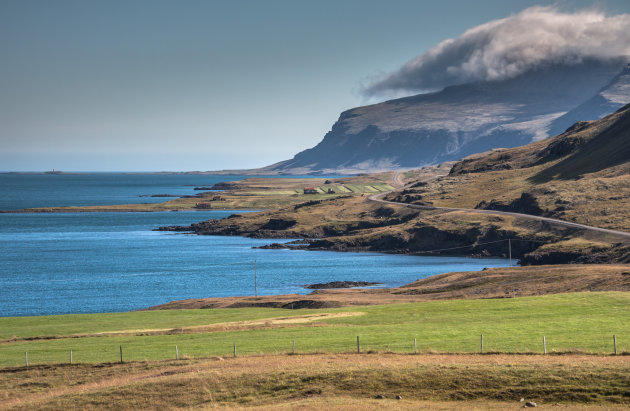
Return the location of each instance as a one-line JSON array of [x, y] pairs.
[[466, 119]]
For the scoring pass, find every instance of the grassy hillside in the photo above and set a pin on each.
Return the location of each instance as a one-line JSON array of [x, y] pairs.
[[582, 175], [570, 322]]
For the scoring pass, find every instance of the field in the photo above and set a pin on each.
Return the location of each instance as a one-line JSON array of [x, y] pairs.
[[326, 371], [577, 322], [327, 381]]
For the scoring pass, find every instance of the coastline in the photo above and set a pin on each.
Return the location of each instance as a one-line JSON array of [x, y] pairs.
[[490, 283]]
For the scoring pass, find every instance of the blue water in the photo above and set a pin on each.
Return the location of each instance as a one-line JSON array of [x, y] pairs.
[[61, 190], [107, 262]]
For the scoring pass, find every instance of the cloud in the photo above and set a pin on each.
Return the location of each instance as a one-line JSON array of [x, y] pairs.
[[505, 48]]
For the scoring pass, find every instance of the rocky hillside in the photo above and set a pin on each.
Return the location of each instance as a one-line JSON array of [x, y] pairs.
[[465, 119], [582, 175]]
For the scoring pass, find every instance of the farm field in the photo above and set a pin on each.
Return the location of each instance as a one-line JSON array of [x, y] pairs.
[[576, 322], [327, 381]]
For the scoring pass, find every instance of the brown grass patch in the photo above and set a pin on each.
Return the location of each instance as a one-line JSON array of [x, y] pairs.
[[490, 283], [325, 381]]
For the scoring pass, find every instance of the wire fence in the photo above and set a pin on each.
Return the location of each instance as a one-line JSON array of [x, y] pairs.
[[479, 344]]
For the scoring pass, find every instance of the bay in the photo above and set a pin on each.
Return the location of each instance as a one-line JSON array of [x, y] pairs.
[[61, 190], [58, 263]]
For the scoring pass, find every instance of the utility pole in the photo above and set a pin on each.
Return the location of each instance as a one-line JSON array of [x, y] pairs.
[[510, 250], [256, 280]]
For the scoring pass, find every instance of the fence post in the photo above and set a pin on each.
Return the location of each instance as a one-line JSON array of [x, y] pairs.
[[615, 343], [293, 350], [176, 353], [481, 344], [358, 346], [415, 346], [544, 345], [26, 358], [235, 349], [121, 358], [70, 356]]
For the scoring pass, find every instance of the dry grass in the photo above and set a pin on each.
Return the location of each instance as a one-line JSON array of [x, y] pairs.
[[490, 283], [324, 381], [582, 175], [266, 323]]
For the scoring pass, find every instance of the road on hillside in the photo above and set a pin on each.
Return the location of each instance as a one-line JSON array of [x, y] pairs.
[[624, 236]]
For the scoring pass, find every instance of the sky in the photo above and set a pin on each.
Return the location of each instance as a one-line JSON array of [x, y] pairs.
[[155, 85]]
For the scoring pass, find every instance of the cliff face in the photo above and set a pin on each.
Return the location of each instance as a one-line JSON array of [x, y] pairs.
[[466, 119]]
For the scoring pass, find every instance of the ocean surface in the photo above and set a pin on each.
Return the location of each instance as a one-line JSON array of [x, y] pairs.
[[61, 190], [107, 262]]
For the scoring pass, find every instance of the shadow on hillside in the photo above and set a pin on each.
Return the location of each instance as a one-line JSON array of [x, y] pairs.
[[610, 148]]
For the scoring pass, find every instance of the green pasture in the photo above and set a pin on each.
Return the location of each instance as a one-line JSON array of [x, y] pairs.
[[570, 322], [341, 189]]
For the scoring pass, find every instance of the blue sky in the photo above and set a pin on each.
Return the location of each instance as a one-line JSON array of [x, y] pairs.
[[151, 85]]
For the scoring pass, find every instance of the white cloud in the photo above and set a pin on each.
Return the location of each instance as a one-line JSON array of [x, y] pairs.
[[508, 47]]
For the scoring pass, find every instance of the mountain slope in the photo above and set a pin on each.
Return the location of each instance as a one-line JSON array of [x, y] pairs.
[[582, 175], [466, 119]]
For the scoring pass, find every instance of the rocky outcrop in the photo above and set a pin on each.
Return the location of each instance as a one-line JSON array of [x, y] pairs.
[[339, 284], [525, 204]]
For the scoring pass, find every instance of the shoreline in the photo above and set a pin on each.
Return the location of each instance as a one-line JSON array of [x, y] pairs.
[[489, 283]]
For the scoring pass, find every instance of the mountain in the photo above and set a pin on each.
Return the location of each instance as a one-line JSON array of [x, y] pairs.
[[581, 175], [466, 119]]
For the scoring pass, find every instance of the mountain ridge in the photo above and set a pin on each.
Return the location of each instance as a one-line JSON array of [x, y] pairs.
[[465, 119]]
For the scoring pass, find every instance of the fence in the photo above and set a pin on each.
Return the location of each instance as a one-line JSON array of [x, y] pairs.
[[141, 352]]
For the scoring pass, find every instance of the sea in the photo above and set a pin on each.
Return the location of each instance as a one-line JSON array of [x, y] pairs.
[[61, 263]]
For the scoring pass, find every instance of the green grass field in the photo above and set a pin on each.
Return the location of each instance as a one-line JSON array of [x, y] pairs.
[[570, 322]]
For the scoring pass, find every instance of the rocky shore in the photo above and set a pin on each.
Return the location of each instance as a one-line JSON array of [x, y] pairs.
[[339, 284]]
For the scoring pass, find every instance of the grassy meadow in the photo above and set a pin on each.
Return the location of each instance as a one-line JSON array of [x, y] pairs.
[[576, 322]]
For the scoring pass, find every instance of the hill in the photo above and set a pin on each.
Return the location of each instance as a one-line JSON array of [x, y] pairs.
[[580, 176], [465, 119]]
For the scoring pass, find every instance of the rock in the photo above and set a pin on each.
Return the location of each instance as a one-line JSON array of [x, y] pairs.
[[525, 204], [530, 404], [223, 186], [339, 284], [299, 304], [175, 228], [278, 224], [272, 246]]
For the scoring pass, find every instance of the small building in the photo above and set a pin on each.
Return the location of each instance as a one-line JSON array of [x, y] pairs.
[[310, 190], [203, 205], [331, 191]]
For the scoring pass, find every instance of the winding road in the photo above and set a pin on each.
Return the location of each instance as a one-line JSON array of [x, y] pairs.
[[622, 235]]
